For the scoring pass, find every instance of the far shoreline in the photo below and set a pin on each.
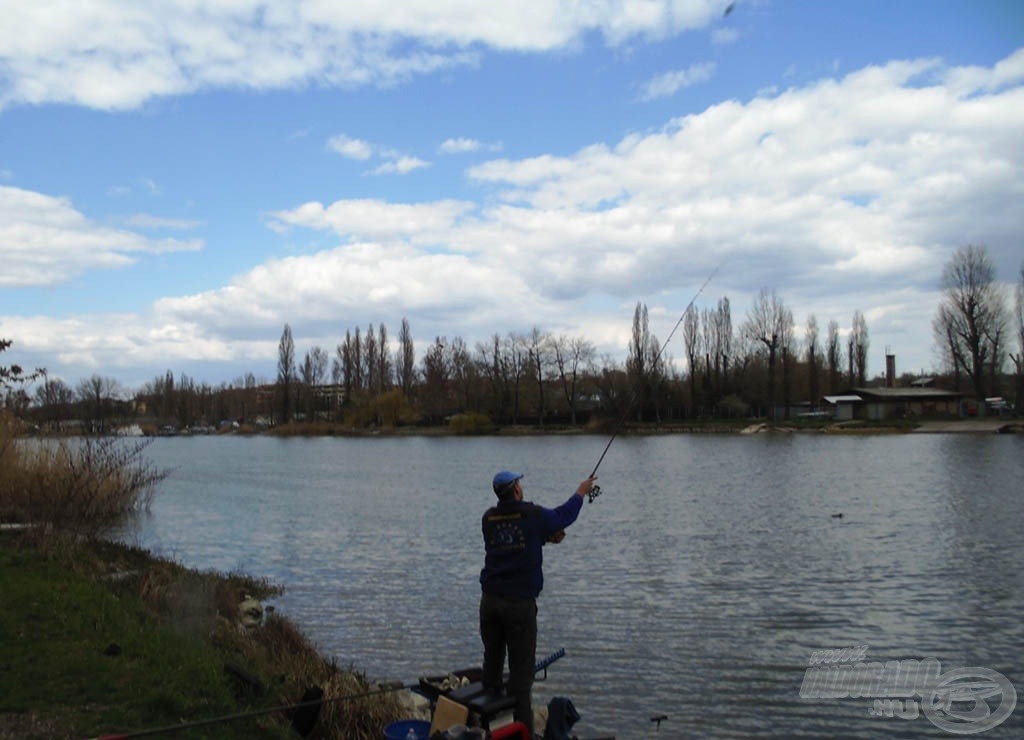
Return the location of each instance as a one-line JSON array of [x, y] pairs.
[[1000, 425]]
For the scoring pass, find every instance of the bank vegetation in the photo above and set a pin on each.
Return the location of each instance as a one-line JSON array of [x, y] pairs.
[[100, 638]]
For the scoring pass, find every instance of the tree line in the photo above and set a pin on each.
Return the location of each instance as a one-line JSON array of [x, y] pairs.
[[763, 365]]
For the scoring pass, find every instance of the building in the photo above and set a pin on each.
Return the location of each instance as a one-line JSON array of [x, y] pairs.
[[879, 404]]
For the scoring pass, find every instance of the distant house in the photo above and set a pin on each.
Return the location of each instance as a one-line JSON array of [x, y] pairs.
[[842, 406], [877, 404]]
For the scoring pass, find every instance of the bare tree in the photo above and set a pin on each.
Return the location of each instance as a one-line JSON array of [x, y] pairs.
[[97, 395], [405, 359], [643, 364], [1018, 359], [971, 316], [370, 358], [769, 323], [356, 377], [344, 370], [813, 358], [313, 373], [54, 397], [787, 350], [723, 344], [463, 372], [515, 361], [314, 367], [834, 356], [384, 367], [539, 358], [613, 386], [716, 341], [858, 349], [286, 375], [437, 375], [494, 365], [692, 347], [572, 356]]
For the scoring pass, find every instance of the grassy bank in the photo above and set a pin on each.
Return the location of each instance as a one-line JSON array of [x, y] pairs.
[[97, 638]]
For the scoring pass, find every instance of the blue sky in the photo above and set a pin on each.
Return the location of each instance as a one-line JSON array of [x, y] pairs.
[[179, 180]]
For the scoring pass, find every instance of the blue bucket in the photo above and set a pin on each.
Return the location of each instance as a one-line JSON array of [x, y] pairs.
[[400, 730]]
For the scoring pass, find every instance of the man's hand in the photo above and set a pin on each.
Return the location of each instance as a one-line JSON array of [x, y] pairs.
[[557, 536], [585, 486]]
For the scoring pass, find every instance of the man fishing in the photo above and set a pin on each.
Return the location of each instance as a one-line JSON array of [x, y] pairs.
[[515, 532]]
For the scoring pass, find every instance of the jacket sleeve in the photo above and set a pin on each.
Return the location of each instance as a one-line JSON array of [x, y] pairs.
[[562, 516]]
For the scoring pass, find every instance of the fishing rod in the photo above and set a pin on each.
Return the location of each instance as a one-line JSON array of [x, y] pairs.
[[302, 721], [312, 699], [595, 491]]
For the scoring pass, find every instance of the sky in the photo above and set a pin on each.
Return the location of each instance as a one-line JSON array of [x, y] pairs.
[[179, 179]]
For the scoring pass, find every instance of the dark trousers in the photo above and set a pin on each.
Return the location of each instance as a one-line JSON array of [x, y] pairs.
[[509, 625]]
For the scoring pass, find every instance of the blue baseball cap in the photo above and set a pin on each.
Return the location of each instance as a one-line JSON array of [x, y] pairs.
[[504, 479]]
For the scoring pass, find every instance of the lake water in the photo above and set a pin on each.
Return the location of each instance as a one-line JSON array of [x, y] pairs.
[[697, 586]]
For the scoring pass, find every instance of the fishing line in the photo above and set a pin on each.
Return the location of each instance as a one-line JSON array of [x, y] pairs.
[[595, 491]]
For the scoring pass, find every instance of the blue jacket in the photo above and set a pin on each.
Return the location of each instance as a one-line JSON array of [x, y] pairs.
[[514, 537]]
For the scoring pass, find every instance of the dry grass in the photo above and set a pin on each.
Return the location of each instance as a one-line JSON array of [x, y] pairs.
[[82, 485], [353, 708]]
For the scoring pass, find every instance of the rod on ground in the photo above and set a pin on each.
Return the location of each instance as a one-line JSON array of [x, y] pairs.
[[308, 703], [246, 715]]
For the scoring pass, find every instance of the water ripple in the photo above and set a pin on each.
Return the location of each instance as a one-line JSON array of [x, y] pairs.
[[698, 586]]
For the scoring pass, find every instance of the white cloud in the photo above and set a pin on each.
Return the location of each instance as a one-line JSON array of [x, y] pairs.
[[108, 55], [1009, 71], [400, 165], [363, 281], [668, 84], [395, 162], [44, 240], [375, 219], [88, 344], [459, 146], [722, 36], [349, 147], [845, 194], [867, 181], [148, 221]]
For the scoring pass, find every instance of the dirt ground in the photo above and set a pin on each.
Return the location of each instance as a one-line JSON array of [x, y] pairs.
[[976, 426]]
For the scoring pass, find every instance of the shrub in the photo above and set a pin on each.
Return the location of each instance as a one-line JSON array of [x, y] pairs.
[[733, 406], [82, 485], [472, 423]]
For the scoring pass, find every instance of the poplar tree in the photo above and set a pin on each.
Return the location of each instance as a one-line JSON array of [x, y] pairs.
[[286, 371], [405, 359]]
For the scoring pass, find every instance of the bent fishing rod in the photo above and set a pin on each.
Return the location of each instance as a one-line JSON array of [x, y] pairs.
[[595, 491]]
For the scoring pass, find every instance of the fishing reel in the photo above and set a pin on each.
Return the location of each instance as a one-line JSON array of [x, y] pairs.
[[595, 491]]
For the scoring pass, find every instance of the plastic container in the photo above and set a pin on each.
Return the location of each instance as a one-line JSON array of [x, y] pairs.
[[400, 730]]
